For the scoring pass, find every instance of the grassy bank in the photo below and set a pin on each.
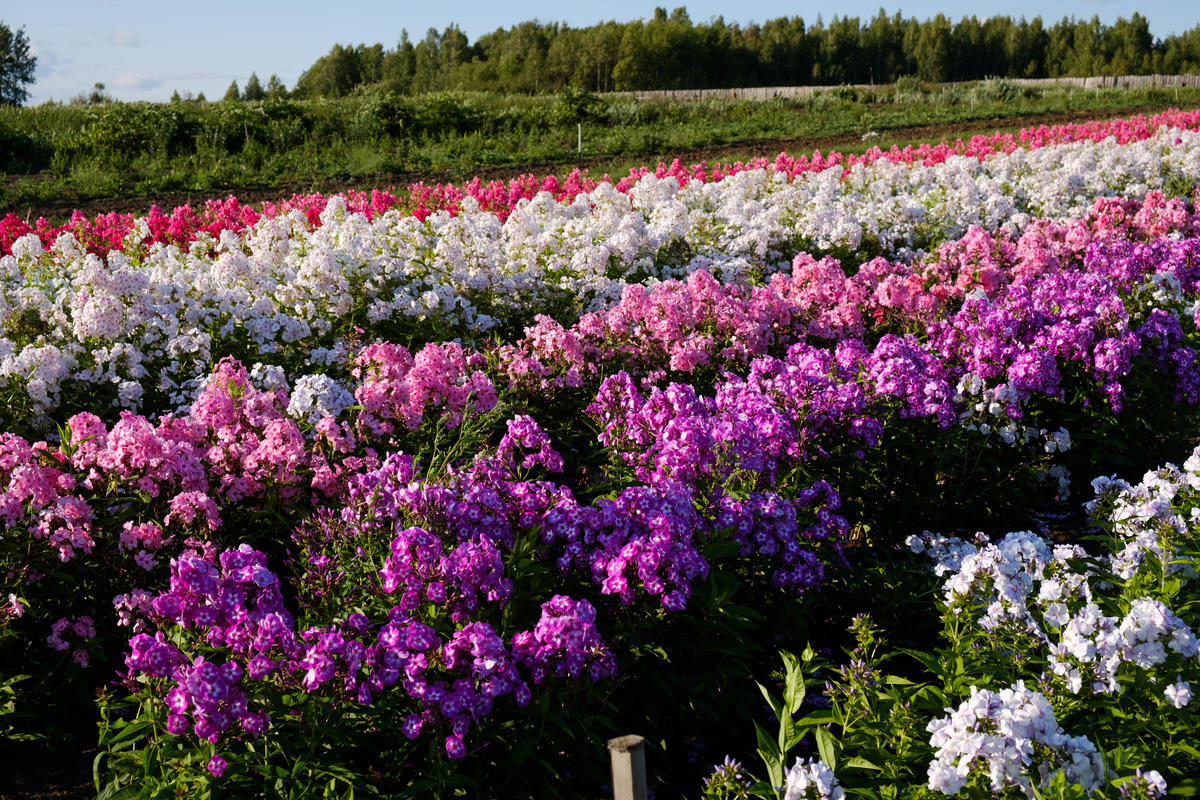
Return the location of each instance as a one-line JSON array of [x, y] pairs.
[[82, 154]]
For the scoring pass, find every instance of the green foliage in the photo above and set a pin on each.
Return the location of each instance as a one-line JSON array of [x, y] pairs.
[[909, 85], [670, 51], [995, 90], [20, 152], [377, 133]]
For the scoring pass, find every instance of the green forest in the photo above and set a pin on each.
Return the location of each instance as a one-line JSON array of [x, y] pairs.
[[670, 51]]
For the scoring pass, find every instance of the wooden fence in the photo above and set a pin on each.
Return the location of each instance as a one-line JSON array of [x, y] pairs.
[[769, 92]]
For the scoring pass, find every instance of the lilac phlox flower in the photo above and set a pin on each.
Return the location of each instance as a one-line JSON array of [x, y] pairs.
[[1148, 785], [1012, 738], [1087, 647], [1149, 630], [418, 568], [811, 780], [946, 552], [647, 532], [767, 524], [726, 775], [1146, 519], [1000, 577], [1179, 693], [476, 568], [900, 368]]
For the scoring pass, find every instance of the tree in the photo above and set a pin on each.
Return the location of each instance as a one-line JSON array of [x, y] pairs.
[[275, 88], [232, 95], [933, 50], [334, 74], [254, 89], [16, 66]]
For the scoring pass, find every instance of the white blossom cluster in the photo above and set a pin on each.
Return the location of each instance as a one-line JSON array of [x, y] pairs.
[[1093, 645], [1013, 738], [1057, 595], [1015, 577], [811, 780], [1150, 516], [151, 318], [315, 396]]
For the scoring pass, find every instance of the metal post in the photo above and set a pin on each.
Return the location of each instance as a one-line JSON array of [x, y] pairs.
[[579, 134], [628, 767]]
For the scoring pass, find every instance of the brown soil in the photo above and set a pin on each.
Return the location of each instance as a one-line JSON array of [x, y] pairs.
[[61, 209]]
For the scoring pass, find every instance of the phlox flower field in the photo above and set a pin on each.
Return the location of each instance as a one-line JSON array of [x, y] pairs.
[[868, 475]]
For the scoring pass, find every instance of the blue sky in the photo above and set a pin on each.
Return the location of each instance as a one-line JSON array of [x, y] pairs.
[[146, 49]]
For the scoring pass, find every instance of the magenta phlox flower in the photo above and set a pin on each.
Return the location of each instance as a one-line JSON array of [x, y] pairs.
[[153, 655], [81, 628], [564, 643], [526, 439], [237, 605], [211, 695]]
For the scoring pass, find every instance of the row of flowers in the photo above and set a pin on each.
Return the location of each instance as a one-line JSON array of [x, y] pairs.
[[140, 327], [108, 231]]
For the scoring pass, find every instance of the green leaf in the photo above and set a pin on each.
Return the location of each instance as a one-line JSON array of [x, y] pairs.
[[1187, 787], [125, 731], [896, 680], [775, 703], [522, 750], [115, 792], [927, 659], [816, 718], [858, 762], [768, 751], [826, 746], [794, 687], [1186, 748]]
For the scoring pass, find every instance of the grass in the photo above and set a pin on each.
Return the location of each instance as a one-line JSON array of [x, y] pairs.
[[62, 154]]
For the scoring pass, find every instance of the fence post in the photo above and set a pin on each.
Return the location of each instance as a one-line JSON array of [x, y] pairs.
[[628, 767]]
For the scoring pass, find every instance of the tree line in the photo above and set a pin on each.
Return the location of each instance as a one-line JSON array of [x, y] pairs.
[[670, 51]]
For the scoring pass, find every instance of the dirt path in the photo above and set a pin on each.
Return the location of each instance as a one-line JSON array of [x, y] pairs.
[[59, 210]]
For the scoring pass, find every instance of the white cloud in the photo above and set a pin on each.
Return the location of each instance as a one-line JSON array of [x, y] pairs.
[[124, 38], [137, 80], [48, 60], [190, 76]]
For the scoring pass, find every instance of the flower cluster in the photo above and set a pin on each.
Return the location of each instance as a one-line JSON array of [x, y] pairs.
[[1012, 739], [564, 643], [398, 388], [811, 780]]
